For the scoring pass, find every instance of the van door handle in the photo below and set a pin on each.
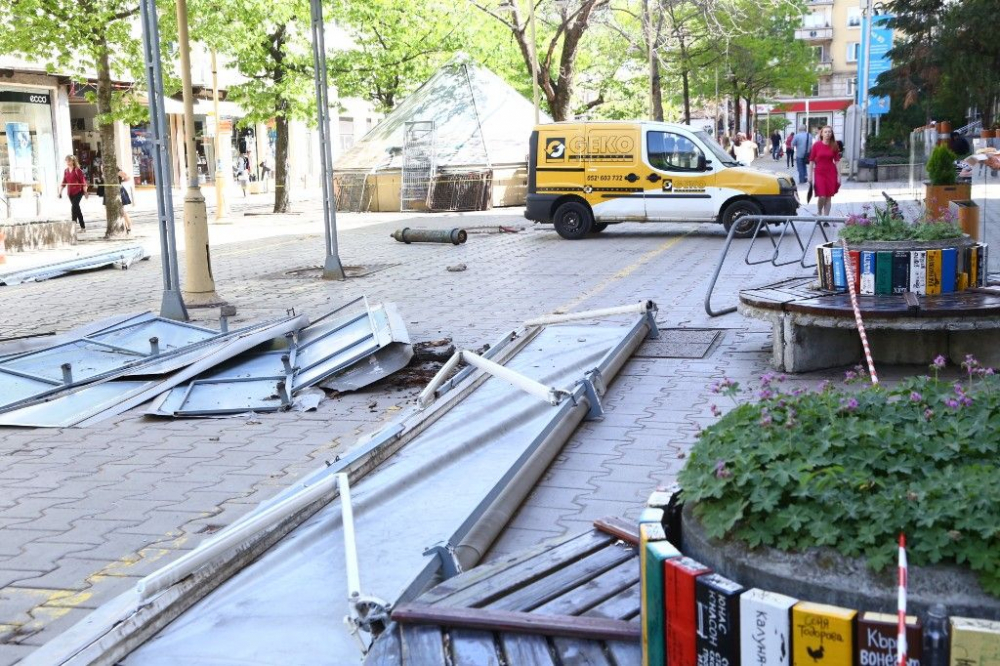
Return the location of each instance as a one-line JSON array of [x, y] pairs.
[[653, 177]]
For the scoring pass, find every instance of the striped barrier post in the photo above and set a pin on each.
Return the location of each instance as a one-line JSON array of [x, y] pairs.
[[857, 313], [901, 647]]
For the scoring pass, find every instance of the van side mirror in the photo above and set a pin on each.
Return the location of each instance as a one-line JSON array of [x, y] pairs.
[[702, 163]]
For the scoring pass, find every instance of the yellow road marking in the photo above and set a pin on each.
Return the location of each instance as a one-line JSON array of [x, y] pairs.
[[622, 274]]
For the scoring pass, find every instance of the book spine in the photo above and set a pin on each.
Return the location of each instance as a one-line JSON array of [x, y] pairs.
[[867, 273], [839, 271], [933, 271], [718, 635], [877, 643], [974, 642], [918, 272], [681, 574], [949, 270], [828, 267], [883, 273], [820, 636], [900, 271], [820, 268], [974, 266], [855, 271], [654, 550], [765, 632], [981, 266]]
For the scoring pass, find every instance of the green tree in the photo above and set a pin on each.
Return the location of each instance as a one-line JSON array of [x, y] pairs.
[[395, 45], [267, 42], [83, 37]]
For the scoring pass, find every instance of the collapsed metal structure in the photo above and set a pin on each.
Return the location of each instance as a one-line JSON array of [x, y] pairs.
[[428, 495], [121, 258]]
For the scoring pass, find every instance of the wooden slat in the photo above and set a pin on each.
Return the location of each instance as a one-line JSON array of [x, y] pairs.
[[577, 652], [579, 599], [625, 654], [566, 578], [619, 528], [912, 300], [622, 606], [571, 626], [422, 645], [526, 649], [473, 648], [386, 651], [483, 591]]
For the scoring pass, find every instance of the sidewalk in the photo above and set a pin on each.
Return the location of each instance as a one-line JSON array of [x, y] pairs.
[[84, 513]]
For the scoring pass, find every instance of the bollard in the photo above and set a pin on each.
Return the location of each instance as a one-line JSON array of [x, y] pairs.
[[225, 312], [453, 236], [154, 346], [67, 372]]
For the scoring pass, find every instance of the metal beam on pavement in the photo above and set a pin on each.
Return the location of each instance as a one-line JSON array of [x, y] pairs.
[[332, 268], [172, 303]]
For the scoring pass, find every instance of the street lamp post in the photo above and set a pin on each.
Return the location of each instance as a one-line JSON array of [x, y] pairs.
[[221, 205], [199, 285], [534, 59]]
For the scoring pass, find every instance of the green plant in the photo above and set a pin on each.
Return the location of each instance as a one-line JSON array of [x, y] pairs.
[[888, 224], [851, 468], [941, 166]]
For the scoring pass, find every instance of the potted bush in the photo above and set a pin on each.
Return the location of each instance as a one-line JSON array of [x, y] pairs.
[[942, 188]]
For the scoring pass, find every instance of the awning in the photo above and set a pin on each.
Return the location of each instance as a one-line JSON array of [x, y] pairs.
[[819, 105]]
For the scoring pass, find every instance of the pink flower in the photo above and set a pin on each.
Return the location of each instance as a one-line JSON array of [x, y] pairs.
[[928, 413], [716, 412], [939, 362], [720, 470], [848, 404], [915, 397]]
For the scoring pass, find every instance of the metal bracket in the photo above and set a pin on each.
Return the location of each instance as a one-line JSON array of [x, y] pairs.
[[654, 330], [450, 566], [589, 385]]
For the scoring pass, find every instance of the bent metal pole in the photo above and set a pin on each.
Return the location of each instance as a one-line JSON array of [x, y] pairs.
[[332, 268], [172, 304]]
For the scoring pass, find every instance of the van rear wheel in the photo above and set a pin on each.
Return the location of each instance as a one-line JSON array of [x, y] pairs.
[[573, 220], [739, 209]]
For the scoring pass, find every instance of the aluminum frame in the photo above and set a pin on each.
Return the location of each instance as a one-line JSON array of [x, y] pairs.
[[121, 258]]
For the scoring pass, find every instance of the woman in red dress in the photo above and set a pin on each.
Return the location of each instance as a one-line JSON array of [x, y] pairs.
[[824, 176], [75, 184]]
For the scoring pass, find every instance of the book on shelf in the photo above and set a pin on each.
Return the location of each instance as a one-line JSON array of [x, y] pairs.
[[680, 574], [867, 273], [822, 635], [765, 628], [883, 273], [718, 611]]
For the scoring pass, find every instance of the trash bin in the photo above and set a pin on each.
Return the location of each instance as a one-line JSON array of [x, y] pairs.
[[967, 212], [868, 170]]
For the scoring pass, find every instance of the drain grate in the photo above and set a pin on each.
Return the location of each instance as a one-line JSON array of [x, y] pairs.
[[680, 343], [317, 271]]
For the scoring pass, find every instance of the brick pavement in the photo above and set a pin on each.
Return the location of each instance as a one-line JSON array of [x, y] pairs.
[[85, 512]]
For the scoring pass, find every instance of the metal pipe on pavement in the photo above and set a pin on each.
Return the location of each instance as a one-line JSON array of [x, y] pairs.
[[549, 394], [453, 236], [641, 307]]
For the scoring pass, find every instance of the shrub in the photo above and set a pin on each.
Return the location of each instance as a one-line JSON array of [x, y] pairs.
[[852, 469], [888, 224], [941, 166]]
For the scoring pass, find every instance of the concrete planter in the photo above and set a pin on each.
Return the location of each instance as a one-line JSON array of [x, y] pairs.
[[823, 575], [20, 236], [911, 245]]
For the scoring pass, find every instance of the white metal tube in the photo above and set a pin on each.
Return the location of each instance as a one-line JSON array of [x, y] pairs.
[[526, 384], [350, 547], [427, 395], [230, 539], [641, 307]]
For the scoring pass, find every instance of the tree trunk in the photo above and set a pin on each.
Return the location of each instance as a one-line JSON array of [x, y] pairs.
[[559, 102], [281, 184], [109, 158], [656, 87], [686, 86]]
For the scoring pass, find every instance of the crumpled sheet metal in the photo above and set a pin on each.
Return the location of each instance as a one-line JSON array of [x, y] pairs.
[[121, 258], [355, 344], [288, 606], [92, 403]]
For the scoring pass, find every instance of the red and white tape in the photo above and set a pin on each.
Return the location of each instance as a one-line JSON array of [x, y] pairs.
[[857, 313], [901, 636]]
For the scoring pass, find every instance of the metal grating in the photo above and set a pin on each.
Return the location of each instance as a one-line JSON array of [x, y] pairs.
[[679, 343], [472, 190], [350, 189], [418, 164]]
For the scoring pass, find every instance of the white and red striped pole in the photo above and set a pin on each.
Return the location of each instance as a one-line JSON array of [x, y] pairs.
[[857, 313], [901, 647]]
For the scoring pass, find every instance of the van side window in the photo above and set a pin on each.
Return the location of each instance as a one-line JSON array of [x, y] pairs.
[[671, 152]]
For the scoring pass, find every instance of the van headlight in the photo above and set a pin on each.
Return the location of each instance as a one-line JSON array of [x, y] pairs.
[[785, 184]]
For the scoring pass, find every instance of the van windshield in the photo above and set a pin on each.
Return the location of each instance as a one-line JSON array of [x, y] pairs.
[[713, 147]]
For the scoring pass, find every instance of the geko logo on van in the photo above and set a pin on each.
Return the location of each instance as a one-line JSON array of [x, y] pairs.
[[602, 144]]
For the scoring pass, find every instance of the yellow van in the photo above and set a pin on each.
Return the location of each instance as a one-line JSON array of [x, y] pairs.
[[583, 176]]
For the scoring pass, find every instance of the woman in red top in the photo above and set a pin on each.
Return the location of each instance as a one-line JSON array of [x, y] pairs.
[[75, 184], [823, 173]]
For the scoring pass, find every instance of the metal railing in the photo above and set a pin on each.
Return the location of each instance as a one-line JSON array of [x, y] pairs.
[[788, 230]]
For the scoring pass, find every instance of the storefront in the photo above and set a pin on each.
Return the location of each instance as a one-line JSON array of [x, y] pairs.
[[27, 144]]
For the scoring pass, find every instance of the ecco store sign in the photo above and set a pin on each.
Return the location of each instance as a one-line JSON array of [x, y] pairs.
[[24, 97]]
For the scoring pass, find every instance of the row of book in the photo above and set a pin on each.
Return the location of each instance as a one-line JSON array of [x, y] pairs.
[[877, 273], [694, 617]]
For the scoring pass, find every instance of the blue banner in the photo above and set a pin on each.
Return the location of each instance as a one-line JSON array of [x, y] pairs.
[[878, 61]]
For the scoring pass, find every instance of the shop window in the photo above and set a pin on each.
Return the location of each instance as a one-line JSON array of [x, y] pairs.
[[27, 149]]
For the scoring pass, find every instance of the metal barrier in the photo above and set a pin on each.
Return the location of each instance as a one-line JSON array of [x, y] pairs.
[[776, 238]]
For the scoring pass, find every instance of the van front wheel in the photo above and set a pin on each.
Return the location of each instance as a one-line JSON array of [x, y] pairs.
[[573, 220], [737, 210]]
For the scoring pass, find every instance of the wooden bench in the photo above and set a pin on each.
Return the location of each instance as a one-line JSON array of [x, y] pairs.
[[815, 330]]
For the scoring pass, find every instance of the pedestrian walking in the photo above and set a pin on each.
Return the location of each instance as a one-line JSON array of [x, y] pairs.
[[802, 143], [243, 172], [824, 176], [789, 150], [775, 144], [123, 194], [75, 184], [746, 150]]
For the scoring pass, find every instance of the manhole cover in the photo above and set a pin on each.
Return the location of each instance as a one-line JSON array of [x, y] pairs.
[[317, 271], [679, 343]]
